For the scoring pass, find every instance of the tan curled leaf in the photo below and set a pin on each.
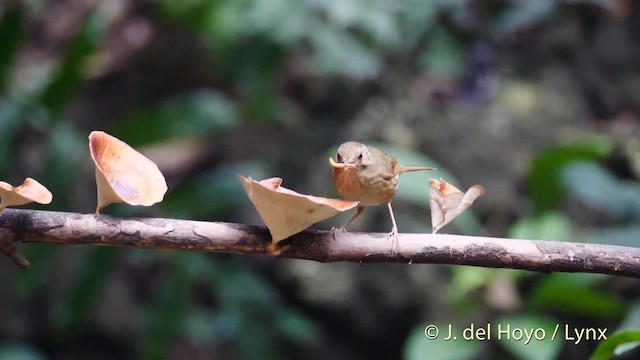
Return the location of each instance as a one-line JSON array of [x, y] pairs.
[[447, 202], [286, 212], [123, 174], [29, 191]]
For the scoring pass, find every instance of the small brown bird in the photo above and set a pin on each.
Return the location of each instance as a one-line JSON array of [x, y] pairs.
[[370, 176]]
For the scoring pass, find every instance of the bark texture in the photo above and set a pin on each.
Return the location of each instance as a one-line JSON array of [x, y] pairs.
[[33, 226]]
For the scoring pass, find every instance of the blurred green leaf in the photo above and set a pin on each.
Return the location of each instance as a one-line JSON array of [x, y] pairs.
[[11, 32], [550, 225], [252, 311], [331, 55], [255, 290], [213, 193], [415, 21], [600, 189], [444, 56], [416, 18], [65, 149], [535, 349], [252, 308], [39, 273], [261, 106], [632, 318], [623, 235], [606, 349], [9, 351], [576, 294], [630, 322], [192, 12], [74, 309], [197, 113], [418, 347], [169, 311], [465, 280], [544, 173], [10, 124], [522, 14], [343, 36], [296, 327], [71, 73], [204, 327]]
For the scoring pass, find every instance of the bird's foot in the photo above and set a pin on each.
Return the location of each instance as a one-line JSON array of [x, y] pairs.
[[394, 241], [334, 231]]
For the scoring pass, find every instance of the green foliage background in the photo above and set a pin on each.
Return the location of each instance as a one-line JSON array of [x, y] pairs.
[[536, 100]]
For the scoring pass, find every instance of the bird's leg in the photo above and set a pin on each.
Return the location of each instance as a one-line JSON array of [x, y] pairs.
[[343, 228], [359, 212], [394, 231]]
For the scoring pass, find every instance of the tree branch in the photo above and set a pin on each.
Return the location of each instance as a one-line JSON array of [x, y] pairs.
[[32, 226]]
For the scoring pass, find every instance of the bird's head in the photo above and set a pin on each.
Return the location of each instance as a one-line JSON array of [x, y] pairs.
[[351, 154]]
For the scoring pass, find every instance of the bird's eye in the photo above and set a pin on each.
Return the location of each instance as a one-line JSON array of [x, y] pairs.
[[339, 157], [360, 157]]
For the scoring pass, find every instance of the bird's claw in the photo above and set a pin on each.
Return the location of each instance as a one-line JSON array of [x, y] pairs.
[[394, 241], [335, 230]]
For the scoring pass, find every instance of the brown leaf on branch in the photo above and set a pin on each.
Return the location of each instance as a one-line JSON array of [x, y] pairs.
[[447, 202], [123, 174], [286, 212], [29, 191]]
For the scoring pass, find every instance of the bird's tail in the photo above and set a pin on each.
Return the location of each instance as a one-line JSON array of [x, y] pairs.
[[406, 168]]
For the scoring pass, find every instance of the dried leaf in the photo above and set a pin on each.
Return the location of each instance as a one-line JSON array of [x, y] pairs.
[[123, 174], [286, 212], [447, 202], [29, 191]]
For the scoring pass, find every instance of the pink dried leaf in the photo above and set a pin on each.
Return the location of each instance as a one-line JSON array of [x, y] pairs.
[[286, 212], [29, 191], [447, 202]]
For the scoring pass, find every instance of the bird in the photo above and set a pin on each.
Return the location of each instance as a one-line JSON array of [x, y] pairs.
[[370, 176]]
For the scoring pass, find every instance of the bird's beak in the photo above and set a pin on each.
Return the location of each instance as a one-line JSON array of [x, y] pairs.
[[337, 165]]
